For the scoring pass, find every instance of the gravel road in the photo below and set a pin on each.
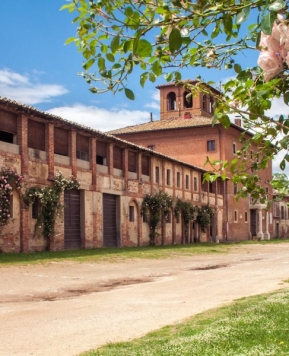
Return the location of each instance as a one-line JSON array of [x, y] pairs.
[[64, 308]]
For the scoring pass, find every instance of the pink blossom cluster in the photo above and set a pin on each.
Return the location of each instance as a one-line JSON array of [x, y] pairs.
[[274, 49]]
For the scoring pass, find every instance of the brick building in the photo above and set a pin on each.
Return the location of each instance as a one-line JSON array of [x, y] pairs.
[[114, 177], [185, 132]]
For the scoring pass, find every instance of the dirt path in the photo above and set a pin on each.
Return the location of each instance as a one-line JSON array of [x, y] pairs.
[[65, 308]]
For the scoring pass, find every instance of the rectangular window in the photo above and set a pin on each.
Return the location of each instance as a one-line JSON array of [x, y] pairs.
[[36, 135], [168, 177], [117, 157], [60, 141], [82, 147], [157, 172], [178, 179], [131, 213], [187, 182], [235, 215], [235, 188], [195, 184], [145, 165], [234, 148], [131, 161], [220, 185], [8, 127], [101, 153], [246, 216], [211, 145], [36, 208]]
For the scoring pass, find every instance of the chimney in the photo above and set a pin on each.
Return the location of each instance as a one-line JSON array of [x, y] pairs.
[[238, 121], [151, 117]]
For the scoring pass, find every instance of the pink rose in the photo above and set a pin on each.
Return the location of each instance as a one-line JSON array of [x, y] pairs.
[[271, 64], [269, 43]]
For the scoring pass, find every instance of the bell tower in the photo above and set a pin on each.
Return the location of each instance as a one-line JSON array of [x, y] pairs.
[[177, 103]]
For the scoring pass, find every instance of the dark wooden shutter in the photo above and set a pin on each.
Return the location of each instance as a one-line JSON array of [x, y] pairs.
[[131, 161], [109, 221], [101, 149], [72, 237], [8, 122], [60, 141], [145, 165], [82, 147], [117, 157], [36, 135]]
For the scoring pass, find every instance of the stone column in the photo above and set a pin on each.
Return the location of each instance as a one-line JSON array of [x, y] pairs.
[[267, 233], [260, 233]]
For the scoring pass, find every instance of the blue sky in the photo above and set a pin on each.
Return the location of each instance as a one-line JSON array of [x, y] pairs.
[[37, 69]]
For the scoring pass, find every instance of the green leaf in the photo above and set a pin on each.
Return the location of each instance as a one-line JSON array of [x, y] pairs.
[[283, 164], [156, 68], [143, 79], [110, 57], [277, 5], [244, 76], [101, 63], [227, 23], [267, 22], [243, 15], [175, 40], [225, 121], [237, 68], [69, 40], [286, 98], [144, 48], [114, 45], [129, 94], [88, 64]]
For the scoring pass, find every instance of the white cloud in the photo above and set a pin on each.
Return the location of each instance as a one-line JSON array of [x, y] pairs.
[[23, 89], [155, 103], [100, 118], [152, 105]]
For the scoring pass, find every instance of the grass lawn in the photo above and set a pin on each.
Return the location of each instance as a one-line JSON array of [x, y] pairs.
[[252, 326], [128, 253]]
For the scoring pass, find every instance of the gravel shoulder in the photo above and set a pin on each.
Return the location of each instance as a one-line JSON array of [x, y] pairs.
[[65, 308]]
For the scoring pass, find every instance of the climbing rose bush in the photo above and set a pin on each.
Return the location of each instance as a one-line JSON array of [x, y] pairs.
[[274, 49], [9, 180]]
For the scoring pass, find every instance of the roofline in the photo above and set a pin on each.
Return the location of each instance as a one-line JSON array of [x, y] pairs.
[[54, 118], [181, 128], [191, 81]]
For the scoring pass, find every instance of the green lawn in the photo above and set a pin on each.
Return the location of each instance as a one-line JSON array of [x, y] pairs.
[[255, 326], [122, 254]]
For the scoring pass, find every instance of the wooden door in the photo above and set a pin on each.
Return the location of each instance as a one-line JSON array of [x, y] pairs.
[[109, 221], [72, 235]]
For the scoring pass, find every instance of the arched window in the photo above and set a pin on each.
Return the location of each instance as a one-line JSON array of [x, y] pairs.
[[188, 100], [211, 105], [171, 101], [204, 102]]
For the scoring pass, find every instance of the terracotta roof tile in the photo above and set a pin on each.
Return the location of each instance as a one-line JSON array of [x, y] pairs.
[[33, 111], [165, 124]]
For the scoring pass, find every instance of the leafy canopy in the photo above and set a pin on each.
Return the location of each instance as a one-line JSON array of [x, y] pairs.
[[160, 38]]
